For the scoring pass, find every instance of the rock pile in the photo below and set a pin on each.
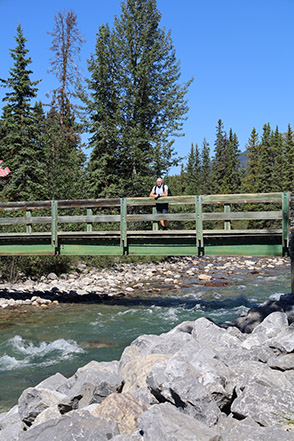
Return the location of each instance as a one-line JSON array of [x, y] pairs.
[[198, 382], [90, 285]]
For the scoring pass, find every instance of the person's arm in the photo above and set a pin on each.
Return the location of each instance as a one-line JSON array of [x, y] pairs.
[[153, 194], [165, 194]]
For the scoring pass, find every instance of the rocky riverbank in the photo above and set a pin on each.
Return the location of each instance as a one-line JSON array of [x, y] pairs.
[[198, 382], [86, 284]]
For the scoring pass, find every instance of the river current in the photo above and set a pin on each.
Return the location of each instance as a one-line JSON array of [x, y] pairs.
[[35, 344]]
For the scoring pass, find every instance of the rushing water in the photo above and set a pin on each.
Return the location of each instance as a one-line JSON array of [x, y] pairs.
[[35, 344]]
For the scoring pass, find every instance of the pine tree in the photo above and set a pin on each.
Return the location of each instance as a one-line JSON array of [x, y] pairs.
[[219, 162], [62, 135], [205, 168], [267, 159], [66, 47], [16, 143], [232, 177], [193, 171], [146, 105], [105, 165], [278, 160], [289, 161], [251, 180]]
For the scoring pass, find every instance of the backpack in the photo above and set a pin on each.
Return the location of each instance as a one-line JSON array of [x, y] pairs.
[[169, 193]]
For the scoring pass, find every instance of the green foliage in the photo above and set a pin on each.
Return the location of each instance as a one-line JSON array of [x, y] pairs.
[[18, 128], [289, 161], [136, 102]]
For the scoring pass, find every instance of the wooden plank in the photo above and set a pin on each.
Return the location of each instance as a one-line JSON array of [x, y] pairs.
[[158, 217], [242, 198], [243, 232], [88, 219], [25, 220], [246, 215], [24, 205], [174, 200], [89, 203]]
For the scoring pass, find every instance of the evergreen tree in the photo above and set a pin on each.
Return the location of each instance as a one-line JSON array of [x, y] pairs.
[[17, 147], [193, 171], [146, 105], [289, 161], [267, 158], [219, 162], [65, 175], [232, 177], [251, 180], [205, 168], [277, 145], [106, 173], [66, 47]]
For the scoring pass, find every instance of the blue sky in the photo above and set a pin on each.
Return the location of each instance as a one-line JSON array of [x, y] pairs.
[[240, 53]]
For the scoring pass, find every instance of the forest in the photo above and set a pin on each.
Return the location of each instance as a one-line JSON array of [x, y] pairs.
[[132, 106]]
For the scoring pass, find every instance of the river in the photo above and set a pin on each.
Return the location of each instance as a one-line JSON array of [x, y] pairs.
[[35, 344]]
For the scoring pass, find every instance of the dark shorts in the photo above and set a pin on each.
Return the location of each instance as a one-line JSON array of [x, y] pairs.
[[162, 208]]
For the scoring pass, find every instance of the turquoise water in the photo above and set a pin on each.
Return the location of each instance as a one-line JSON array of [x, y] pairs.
[[35, 344]]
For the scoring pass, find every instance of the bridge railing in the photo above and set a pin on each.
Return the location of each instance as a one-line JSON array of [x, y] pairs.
[[115, 225]]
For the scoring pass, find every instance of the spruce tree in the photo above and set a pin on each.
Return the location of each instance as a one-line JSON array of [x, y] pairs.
[[17, 147], [277, 145], [251, 180], [232, 177], [193, 171], [289, 161], [205, 168], [146, 104], [267, 158], [219, 162], [62, 135]]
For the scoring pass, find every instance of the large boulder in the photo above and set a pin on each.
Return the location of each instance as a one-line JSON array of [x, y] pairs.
[[122, 408], [178, 382], [33, 401], [267, 406], [165, 423], [91, 384], [73, 426]]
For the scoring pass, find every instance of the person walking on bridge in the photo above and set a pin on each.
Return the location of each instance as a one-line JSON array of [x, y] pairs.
[[158, 191]]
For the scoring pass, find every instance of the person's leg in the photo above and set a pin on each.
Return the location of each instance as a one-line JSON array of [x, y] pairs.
[[164, 222]]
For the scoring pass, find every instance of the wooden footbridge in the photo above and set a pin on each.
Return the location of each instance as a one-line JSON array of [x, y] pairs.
[[232, 224]]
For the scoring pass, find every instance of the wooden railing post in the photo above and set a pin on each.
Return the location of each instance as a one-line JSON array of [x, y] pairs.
[[89, 224], [54, 214], [29, 226], [286, 196], [123, 225], [227, 224], [154, 223], [199, 225]]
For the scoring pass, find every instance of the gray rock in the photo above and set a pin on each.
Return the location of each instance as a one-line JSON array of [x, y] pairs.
[[89, 386], [272, 324], [178, 383], [53, 383], [268, 406], [165, 423], [11, 432], [73, 426], [283, 362], [52, 276], [249, 430], [34, 400], [9, 418]]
